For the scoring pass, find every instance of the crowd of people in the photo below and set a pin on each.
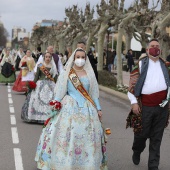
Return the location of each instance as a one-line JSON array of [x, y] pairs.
[[62, 92], [110, 59]]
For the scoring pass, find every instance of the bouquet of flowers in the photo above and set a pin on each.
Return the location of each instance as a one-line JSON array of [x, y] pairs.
[[24, 64], [55, 107], [31, 85]]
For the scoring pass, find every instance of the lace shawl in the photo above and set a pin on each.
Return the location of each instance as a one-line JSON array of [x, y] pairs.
[[61, 85]]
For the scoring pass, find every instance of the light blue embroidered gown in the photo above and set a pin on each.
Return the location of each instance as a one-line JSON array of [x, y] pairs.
[[72, 138]]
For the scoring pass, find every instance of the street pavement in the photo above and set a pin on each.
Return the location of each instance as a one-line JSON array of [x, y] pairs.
[[125, 75], [18, 140]]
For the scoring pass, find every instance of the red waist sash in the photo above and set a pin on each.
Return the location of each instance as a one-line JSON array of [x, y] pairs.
[[153, 99]]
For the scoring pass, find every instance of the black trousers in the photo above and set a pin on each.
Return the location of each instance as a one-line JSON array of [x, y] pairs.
[[153, 121]]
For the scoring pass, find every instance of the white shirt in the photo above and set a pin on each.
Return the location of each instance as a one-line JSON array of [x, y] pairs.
[[154, 81]]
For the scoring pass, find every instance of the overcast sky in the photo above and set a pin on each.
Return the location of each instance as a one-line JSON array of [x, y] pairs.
[[26, 13]]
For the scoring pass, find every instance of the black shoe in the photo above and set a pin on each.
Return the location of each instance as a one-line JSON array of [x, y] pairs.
[[136, 158], [153, 169]]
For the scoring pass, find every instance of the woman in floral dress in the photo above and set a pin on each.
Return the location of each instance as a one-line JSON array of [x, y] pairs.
[[36, 104], [73, 138]]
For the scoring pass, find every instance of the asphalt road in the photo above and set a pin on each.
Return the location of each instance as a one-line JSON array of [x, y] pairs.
[[18, 140]]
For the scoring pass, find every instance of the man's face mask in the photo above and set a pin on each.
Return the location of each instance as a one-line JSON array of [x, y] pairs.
[[154, 51]]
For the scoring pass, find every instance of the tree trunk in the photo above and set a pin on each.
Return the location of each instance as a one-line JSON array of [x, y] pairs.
[[89, 40], [100, 44], [61, 46], [77, 39], [54, 45], [74, 45], [164, 45], [128, 38], [143, 44], [91, 36], [96, 44], [119, 57], [43, 47]]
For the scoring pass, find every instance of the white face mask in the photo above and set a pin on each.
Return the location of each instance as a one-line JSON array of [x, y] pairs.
[[79, 62]]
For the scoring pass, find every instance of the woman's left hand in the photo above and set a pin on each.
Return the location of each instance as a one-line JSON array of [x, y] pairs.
[[100, 114]]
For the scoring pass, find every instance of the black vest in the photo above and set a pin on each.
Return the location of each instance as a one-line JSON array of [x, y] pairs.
[[142, 77]]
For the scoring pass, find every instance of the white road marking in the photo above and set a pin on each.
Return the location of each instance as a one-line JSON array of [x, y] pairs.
[[10, 100], [14, 131], [15, 138], [13, 120], [9, 95], [11, 109], [18, 159]]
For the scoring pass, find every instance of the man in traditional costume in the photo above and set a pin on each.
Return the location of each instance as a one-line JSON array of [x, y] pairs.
[[148, 94]]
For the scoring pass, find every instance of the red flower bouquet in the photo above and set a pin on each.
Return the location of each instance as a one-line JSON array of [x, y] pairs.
[[31, 85], [24, 64], [55, 104]]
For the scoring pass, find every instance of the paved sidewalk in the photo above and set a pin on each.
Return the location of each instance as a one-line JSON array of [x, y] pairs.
[[113, 92], [126, 76]]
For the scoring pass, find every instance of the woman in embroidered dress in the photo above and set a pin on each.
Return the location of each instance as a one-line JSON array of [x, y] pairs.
[[7, 74], [27, 65], [73, 137], [36, 105]]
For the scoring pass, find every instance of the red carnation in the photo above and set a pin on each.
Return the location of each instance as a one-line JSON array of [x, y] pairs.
[[58, 105], [32, 85], [24, 64], [52, 102], [55, 104]]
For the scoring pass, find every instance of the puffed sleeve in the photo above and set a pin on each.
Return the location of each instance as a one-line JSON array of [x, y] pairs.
[[97, 103]]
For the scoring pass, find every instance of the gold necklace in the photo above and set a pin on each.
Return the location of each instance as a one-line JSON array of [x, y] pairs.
[[78, 70]]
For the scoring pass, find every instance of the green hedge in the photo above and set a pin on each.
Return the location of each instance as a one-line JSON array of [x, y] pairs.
[[107, 79], [124, 67]]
